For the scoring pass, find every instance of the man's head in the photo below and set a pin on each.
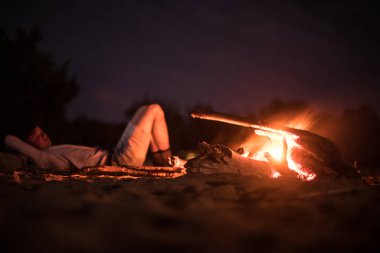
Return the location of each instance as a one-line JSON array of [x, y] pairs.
[[31, 132], [38, 138]]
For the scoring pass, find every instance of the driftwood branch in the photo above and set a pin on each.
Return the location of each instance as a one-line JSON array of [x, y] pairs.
[[239, 122], [132, 170], [96, 173]]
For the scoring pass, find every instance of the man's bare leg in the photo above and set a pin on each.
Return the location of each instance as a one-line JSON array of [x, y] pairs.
[[151, 119]]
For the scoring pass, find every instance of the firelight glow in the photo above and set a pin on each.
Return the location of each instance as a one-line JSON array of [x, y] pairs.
[[281, 144], [275, 147]]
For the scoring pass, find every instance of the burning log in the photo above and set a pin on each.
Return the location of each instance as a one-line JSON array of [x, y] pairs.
[[308, 154], [220, 159]]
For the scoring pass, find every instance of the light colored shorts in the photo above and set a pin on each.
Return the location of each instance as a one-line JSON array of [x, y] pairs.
[[132, 147]]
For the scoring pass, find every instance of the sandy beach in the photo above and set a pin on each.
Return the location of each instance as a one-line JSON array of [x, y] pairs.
[[192, 213]]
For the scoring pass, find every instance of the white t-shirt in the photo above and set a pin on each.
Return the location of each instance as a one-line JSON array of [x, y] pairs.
[[60, 157]]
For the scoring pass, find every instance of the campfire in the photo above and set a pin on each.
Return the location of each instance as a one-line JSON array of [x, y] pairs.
[[288, 152]]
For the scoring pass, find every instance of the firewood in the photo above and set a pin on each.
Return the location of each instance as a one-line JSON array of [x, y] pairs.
[[316, 152]]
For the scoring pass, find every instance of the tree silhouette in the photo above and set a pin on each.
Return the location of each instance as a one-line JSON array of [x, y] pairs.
[[33, 86]]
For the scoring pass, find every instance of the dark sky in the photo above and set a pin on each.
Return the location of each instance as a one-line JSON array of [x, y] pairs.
[[234, 55]]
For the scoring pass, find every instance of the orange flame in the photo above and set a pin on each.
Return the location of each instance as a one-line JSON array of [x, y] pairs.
[[274, 146]]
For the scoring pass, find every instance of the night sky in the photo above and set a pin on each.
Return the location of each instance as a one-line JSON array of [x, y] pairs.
[[233, 55]]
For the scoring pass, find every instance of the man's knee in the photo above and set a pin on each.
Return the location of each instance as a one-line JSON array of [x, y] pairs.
[[155, 109]]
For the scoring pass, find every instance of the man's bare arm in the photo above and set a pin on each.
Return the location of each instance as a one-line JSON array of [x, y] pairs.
[[24, 148]]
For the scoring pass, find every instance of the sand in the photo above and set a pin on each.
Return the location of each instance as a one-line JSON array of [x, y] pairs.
[[192, 213]]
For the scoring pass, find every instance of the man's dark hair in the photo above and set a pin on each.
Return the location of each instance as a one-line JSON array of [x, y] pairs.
[[24, 130]]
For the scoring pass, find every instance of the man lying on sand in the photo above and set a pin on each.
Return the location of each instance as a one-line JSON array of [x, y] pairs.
[[147, 129]]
